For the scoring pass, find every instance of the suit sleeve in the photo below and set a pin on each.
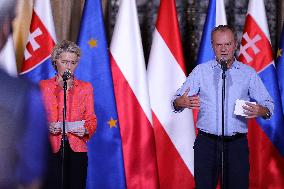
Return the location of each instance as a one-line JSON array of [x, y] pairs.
[[35, 148]]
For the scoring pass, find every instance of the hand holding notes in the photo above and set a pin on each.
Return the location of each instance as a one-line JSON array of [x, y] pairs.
[[249, 109], [74, 127]]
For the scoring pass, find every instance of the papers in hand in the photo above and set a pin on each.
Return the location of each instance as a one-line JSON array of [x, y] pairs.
[[239, 110], [69, 126]]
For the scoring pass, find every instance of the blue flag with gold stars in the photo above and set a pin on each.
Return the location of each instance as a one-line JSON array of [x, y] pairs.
[[105, 158], [280, 66]]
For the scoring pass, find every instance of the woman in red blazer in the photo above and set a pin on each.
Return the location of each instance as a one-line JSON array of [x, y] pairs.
[[80, 123]]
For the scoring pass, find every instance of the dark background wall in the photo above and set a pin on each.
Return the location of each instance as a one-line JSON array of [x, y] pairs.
[[191, 15]]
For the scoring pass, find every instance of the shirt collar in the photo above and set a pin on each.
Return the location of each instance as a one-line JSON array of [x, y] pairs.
[[235, 65]]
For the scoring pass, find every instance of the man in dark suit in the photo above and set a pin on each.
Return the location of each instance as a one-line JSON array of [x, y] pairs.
[[23, 131]]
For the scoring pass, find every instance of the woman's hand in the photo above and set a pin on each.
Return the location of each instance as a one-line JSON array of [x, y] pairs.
[[79, 131], [55, 128]]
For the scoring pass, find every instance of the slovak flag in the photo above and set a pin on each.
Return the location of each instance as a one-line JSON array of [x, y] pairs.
[[265, 136], [132, 100], [174, 132], [41, 40]]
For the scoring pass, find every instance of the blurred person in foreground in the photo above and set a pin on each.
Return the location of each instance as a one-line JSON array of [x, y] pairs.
[[80, 123], [203, 89], [23, 129]]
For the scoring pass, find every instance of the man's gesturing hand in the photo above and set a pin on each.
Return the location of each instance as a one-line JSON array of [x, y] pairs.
[[185, 101]]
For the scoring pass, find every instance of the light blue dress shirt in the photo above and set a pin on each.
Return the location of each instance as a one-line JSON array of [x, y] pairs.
[[242, 82]]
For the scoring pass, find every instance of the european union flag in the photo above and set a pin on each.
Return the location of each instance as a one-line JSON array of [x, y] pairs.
[[105, 166], [216, 15], [280, 66]]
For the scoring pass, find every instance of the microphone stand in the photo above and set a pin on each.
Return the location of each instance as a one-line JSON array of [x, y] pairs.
[[63, 139], [224, 69]]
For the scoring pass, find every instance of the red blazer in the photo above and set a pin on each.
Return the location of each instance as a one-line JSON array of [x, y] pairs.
[[80, 106]]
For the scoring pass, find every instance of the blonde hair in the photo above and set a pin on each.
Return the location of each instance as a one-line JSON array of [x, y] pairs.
[[64, 46]]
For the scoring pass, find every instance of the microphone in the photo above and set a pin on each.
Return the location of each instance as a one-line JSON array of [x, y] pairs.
[[223, 62], [66, 75]]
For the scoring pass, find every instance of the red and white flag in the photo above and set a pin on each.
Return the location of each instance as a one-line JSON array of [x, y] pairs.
[[174, 132], [7, 57], [266, 137], [132, 99], [41, 40]]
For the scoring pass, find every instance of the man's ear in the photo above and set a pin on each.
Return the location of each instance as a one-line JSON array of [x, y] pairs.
[[237, 45]]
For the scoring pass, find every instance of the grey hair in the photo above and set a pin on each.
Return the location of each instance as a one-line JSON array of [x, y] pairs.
[[224, 28]]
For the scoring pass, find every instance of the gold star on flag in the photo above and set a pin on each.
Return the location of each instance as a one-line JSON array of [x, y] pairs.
[[112, 123], [92, 43], [279, 52]]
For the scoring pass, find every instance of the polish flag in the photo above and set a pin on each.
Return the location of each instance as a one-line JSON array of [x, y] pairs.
[[132, 99], [174, 132], [265, 136], [36, 65]]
